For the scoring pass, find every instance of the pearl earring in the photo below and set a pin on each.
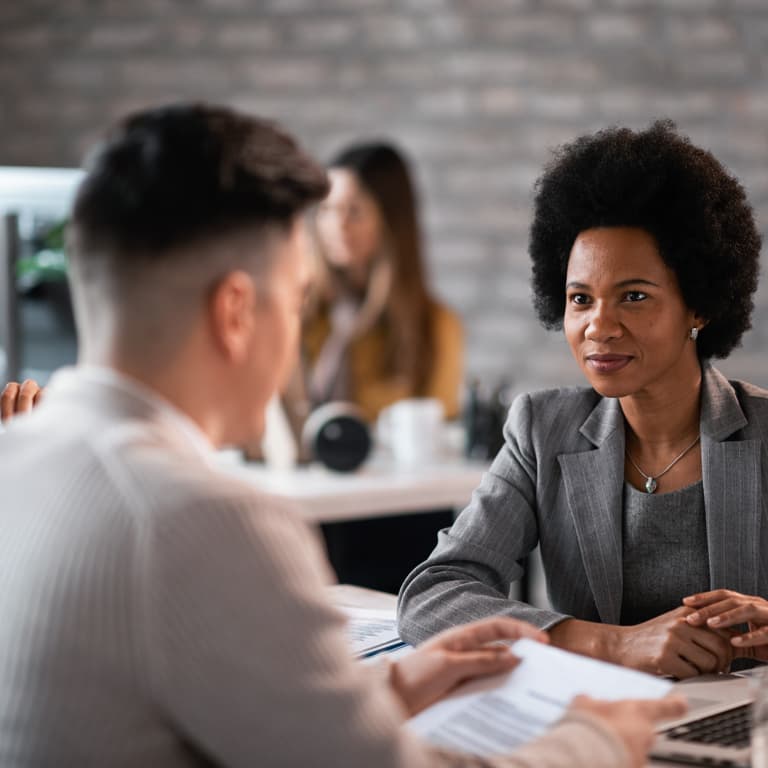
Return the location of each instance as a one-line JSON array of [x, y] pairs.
[[694, 334]]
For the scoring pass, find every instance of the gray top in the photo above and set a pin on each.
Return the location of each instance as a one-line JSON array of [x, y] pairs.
[[664, 540]]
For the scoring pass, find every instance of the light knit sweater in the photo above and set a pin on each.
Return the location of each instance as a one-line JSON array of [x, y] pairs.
[[156, 613]]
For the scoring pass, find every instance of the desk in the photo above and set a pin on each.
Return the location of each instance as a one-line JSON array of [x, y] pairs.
[[379, 488], [352, 596], [706, 687]]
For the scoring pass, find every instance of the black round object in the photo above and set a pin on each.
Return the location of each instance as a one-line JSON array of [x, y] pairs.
[[337, 436]]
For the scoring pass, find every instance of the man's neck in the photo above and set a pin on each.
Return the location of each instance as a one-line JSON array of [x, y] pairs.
[[180, 385]]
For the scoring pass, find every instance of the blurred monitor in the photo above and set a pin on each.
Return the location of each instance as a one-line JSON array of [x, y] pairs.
[[40, 320]]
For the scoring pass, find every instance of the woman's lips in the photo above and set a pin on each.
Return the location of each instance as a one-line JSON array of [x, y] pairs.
[[608, 363]]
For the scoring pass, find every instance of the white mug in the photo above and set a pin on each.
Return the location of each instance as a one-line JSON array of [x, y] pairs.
[[412, 429]]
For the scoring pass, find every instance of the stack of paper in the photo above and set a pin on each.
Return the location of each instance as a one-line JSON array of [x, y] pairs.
[[371, 631], [499, 714]]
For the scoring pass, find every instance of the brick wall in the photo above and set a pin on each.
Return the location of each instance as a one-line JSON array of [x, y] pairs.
[[476, 91]]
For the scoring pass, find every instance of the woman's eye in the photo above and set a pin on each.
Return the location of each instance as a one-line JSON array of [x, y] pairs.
[[579, 298], [636, 296]]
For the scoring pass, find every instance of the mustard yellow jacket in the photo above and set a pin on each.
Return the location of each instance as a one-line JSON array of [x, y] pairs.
[[373, 387]]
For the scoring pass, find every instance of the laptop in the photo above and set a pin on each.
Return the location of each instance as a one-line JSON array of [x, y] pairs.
[[716, 729]]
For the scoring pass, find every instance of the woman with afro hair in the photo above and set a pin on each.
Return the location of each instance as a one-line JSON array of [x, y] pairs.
[[646, 490]]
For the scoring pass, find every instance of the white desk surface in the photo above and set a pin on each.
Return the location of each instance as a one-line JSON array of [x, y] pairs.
[[380, 487], [351, 596]]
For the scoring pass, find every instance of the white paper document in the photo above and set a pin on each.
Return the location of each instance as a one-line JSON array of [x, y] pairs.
[[370, 630], [499, 714]]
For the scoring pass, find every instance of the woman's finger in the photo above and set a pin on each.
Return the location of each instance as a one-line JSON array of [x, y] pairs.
[[679, 667], [739, 615], [757, 636], [707, 598], [713, 609]]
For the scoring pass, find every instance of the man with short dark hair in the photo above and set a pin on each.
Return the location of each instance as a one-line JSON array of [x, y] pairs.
[[154, 612]]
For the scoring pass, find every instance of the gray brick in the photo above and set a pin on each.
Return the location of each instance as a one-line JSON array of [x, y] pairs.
[[451, 254], [617, 29], [79, 74], [227, 5], [495, 6], [684, 106], [392, 31], [558, 105], [488, 65], [668, 6], [546, 28], [571, 5], [453, 102], [249, 35], [499, 100], [328, 6], [189, 33], [748, 5], [474, 181], [176, 75], [445, 27], [122, 36], [426, 7], [713, 67], [287, 71], [325, 33], [408, 70], [704, 32], [34, 37]]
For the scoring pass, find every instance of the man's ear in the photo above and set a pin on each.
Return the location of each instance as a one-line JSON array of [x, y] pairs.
[[231, 314]]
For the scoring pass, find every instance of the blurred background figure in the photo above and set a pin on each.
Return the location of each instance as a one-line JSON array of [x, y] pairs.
[[373, 334]]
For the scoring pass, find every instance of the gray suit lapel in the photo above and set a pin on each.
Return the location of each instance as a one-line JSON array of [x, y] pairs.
[[593, 484], [732, 483]]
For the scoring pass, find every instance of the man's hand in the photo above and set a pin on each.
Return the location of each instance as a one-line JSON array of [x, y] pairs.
[[19, 398], [633, 721], [456, 655]]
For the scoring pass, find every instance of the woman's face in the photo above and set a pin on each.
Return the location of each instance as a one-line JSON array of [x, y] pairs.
[[349, 223], [625, 319]]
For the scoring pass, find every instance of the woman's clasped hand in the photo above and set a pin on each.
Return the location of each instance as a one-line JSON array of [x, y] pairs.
[[670, 645], [725, 611]]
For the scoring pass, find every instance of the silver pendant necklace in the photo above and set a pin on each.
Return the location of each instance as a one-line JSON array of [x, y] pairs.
[[651, 480]]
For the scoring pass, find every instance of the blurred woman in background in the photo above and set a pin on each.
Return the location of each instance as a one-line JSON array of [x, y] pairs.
[[373, 334]]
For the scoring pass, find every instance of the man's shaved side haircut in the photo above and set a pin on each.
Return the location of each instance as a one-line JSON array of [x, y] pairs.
[[169, 177], [168, 199]]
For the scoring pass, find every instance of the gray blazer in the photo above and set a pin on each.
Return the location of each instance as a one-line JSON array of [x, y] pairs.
[[558, 482]]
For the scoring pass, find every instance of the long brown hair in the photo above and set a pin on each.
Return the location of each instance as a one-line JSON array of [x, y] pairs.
[[383, 172]]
